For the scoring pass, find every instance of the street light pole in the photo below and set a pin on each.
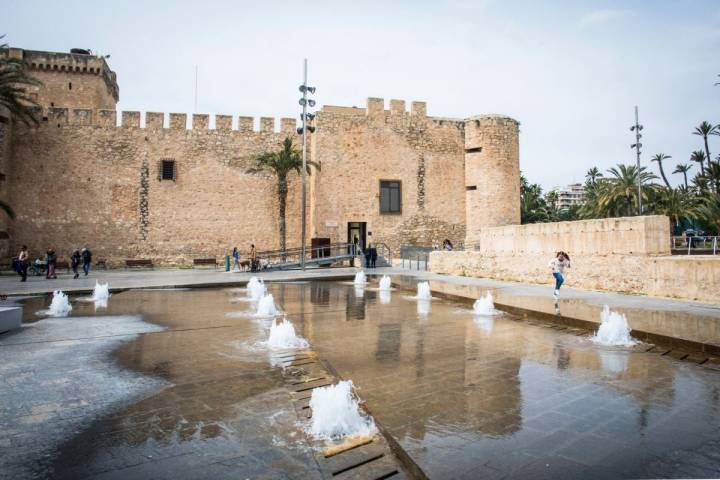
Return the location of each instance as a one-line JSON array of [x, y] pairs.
[[637, 128], [304, 161]]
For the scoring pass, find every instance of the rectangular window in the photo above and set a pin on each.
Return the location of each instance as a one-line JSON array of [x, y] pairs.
[[167, 170], [390, 197]]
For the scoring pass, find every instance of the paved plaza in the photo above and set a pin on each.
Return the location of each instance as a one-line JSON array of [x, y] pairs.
[[173, 381]]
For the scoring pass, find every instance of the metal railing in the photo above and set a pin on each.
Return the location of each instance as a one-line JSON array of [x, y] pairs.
[[323, 255], [695, 245]]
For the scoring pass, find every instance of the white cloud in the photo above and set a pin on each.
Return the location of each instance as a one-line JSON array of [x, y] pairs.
[[600, 17]]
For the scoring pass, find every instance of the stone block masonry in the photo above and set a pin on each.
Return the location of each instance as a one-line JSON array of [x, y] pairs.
[[616, 254], [170, 188], [101, 185]]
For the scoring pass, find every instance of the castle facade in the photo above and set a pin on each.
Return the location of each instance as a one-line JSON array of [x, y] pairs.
[[173, 188]]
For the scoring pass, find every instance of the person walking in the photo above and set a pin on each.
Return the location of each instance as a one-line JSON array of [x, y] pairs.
[[373, 256], [558, 266], [23, 263], [75, 260], [86, 255], [236, 259], [51, 261]]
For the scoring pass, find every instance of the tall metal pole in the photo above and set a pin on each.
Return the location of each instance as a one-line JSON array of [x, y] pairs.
[[637, 152], [304, 161]]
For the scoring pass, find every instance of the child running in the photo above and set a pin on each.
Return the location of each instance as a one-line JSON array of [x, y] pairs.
[[558, 265]]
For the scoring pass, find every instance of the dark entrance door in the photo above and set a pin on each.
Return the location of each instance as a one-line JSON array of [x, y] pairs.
[[357, 233]]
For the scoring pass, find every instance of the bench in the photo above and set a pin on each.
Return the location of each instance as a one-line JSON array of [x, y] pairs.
[[62, 264], [205, 261], [101, 264], [139, 263]]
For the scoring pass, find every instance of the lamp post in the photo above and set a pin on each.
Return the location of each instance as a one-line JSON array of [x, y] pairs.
[[637, 128], [305, 102]]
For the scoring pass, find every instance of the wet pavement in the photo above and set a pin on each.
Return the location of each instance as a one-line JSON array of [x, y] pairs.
[[163, 384], [471, 397]]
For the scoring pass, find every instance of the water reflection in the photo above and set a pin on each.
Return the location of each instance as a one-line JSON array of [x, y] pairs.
[[614, 361], [482, 389], [423, 308], [459, 393]]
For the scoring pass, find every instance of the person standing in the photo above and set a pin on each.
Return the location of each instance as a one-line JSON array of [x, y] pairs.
[[373, 256], [75, 260], [236, 259], [23, 263], [558, 266], [86, 255], [51, 261], [253, 258]]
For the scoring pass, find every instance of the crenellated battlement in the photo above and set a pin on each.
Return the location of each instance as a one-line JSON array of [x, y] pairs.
[[59, 117], [66, 63], [376, 107]]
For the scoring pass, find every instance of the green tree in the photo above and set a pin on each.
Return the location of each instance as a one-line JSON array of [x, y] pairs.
[[569, 214], [551, 205], [618, 195], [14, 80], [532, 204], [698, 156], [659, 158], [683, 168], [281, 163], [703, 130], [712, 175], [676, 204], [593, 175], [709, 211]]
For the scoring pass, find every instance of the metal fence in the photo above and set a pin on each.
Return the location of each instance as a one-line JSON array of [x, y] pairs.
[[695, 245]]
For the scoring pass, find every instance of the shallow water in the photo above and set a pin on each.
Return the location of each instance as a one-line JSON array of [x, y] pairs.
[[464, 398]]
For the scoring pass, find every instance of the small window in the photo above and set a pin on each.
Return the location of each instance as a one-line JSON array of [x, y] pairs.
[[167, 170], [390, 198], [69, 85]]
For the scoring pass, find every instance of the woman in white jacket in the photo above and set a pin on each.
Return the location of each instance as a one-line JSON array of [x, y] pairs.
[[558, 266]]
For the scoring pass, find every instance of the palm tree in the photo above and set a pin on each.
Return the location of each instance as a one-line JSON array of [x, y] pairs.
[[676, 204], [712, 174], [709, 211], [618, 194], [659, 159], [281, 163], [705, 129], [14, 80], [683, 168], [532, 205], [699, 157], [593, 175]]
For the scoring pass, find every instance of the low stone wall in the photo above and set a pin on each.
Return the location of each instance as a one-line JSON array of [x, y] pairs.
[[629, 255]]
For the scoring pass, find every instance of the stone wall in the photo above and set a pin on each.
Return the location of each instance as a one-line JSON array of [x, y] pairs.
[[358, 147], [629, 255], [74, 183], [5, 154]]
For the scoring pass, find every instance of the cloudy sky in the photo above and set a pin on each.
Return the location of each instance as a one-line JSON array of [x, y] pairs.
[[569, 71]]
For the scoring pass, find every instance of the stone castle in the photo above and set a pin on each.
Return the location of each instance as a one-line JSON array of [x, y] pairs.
[[157, 186]]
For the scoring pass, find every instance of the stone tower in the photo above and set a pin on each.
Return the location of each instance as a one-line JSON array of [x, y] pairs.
[[492, 174], [69, 80]]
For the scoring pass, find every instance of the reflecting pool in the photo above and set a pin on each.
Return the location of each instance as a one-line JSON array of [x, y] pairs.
[[465, 395]]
